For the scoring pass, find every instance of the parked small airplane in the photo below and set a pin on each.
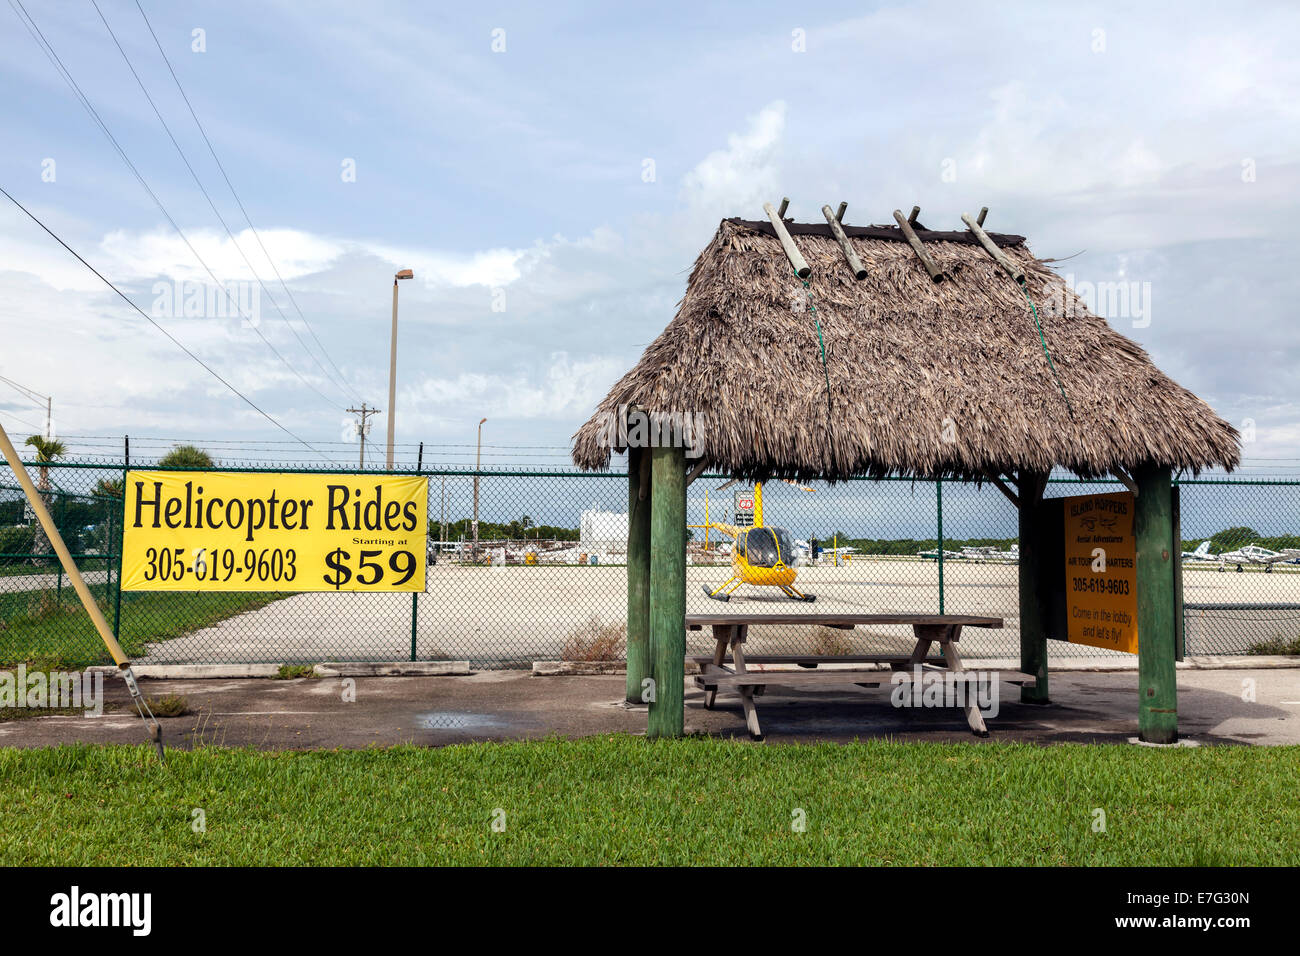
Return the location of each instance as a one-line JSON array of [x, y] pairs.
[[1254, 554], [1202, 553], [933, 555]]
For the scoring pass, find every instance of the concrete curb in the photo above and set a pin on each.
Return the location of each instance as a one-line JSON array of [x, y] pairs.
[[577, 668], [240, 671], [393, 669], [195, 671]]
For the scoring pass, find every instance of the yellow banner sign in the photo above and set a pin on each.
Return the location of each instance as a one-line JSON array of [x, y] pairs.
[[1101, 571], [228, 531]]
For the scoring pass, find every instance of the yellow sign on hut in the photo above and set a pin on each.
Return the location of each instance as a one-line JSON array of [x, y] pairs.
[[1101, 571]]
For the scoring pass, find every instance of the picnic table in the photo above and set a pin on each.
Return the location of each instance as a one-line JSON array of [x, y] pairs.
[[730, 632]]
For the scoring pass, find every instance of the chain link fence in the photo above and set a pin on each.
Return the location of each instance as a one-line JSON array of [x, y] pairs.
[[546, 578]]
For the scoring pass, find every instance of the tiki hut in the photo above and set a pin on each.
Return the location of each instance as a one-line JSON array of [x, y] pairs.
[[828, 351], [934, 379]]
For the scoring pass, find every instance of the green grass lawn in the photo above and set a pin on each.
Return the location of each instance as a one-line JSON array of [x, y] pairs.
[[625, 800], [55, 631]]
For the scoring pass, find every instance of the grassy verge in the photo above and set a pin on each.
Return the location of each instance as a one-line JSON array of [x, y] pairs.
[[52, 568], [624, 800], [54, 631], [1277, 645]]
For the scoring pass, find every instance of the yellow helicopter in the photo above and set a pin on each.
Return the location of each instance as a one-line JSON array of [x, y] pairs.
[[762, 556]]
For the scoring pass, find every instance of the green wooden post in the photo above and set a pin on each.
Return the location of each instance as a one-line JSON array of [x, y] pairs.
[[1034, 584], [668, 591], [938, 499], [1157, 684], [638, 575]]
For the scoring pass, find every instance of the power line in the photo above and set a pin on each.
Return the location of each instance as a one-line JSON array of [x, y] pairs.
[[198, 182], [30, 394], [54, 58], [240, 203], [220, 218], [213, 372], [4, 411]]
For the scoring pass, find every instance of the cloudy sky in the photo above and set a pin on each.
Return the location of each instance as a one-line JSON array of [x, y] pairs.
[[549, 172]]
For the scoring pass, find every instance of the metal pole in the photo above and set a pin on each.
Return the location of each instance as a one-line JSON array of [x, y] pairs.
[[392, 379], [117, 597], [415, 597], [478, 461]]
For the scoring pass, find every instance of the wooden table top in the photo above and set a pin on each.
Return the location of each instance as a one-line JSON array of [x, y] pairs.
[[696, 621]]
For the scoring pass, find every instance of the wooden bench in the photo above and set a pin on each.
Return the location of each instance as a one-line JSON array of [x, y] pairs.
[[731, 630]]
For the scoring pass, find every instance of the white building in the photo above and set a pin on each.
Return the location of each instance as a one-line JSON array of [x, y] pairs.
[[604, 534]]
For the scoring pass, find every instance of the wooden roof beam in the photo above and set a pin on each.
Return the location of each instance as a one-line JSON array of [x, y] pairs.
[[850, 255], [991, 247], [797, 261], [1002, 487], [910, 234]]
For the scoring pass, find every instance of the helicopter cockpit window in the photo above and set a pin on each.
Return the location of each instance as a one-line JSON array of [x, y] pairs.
[[761, 548], [786, 546], [740, 545]]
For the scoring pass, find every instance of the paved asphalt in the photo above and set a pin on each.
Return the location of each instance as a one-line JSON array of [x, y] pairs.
[[508, 705]]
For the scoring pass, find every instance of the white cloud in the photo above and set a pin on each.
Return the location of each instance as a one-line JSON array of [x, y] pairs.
[[746, 172], [564, 389]]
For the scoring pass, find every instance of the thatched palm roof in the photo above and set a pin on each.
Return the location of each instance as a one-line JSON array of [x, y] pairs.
[[911, 363]]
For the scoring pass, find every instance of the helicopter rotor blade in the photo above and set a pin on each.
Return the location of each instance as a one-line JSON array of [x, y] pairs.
[[795, 484]]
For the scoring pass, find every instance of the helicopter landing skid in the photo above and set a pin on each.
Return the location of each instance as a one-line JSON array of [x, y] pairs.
[[715, 595], [792, 593]]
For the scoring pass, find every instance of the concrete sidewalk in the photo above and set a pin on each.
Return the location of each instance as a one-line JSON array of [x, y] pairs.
[[511, 705]]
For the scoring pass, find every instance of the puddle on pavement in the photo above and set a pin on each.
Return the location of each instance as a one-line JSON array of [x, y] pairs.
[[459, 720]]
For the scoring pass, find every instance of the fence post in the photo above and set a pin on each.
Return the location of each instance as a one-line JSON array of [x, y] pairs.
[[938, 496], [638, 576], [1157, 680], [668, 591], [117, 597], [415, 596]]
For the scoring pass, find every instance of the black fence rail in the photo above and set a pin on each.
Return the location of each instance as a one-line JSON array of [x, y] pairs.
[[544, 579]]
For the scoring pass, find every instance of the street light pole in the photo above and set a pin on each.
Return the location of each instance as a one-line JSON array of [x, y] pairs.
[[392, 367], [478, 460]]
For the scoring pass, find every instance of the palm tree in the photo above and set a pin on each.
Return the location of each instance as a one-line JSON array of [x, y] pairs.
[[186, 456], [47, 451]]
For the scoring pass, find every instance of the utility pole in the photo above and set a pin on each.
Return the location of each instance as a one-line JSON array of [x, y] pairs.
[[363, 429], [35, 397]]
